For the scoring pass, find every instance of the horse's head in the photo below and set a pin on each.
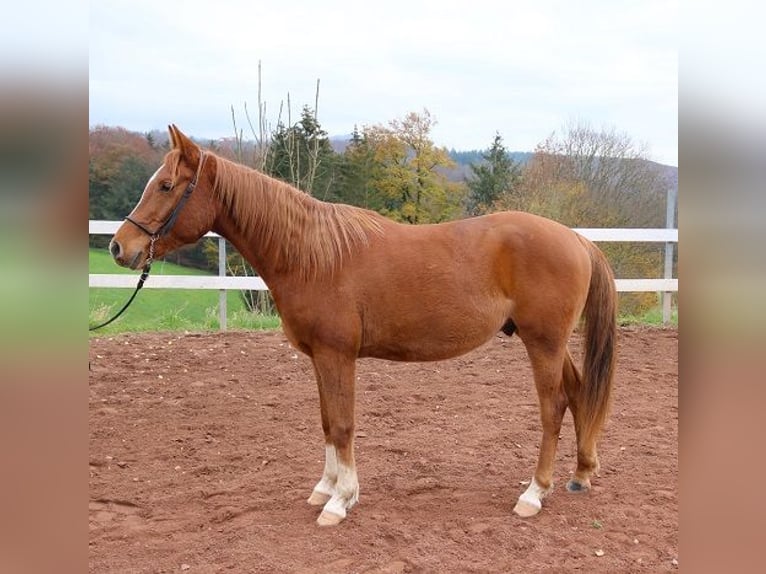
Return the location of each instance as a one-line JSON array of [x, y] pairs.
[[175, 209]]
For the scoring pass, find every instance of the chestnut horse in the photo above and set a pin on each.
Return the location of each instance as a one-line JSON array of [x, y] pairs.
[[349, 283]]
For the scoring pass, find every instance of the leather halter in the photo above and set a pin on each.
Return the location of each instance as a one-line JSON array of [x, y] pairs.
[[167, 225]]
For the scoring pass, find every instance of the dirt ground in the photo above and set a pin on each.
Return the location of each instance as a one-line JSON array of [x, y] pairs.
[[204, 447]]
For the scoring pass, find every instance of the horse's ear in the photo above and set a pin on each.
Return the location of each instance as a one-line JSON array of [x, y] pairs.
[[173, 139], [188, 148]]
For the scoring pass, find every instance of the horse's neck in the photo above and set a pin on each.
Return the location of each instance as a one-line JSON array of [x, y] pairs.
[[285, 233], [261, 239], [247, 247]]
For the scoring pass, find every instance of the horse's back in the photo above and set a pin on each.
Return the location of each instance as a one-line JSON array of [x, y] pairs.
[[435, 291], [501, 251]]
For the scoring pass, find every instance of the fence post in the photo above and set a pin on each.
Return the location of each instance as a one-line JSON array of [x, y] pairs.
[[222, 292], [667, 296]]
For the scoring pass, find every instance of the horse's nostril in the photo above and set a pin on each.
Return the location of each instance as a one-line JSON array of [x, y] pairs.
[[115, 249]]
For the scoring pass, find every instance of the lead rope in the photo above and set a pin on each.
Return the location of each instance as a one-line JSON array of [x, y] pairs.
[[144, 276]]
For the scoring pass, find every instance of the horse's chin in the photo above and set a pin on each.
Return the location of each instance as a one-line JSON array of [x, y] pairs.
[[137, 261]]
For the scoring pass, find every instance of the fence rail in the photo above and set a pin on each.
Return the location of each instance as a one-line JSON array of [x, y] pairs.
[[222, 282]]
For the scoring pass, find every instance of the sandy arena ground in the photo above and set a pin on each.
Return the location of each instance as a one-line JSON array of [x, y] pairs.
[[204, 447]]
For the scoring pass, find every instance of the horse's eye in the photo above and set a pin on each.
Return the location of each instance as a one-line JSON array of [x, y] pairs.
[[166, 186]]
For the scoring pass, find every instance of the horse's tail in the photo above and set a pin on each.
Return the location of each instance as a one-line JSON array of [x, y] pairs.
[[600, 340]]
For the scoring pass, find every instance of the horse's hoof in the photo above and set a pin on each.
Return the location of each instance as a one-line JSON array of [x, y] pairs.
[[318, 498], [329, 519], [574, 486], [527, 508]]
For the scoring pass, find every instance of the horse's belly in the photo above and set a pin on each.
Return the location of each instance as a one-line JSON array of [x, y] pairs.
[[434, 339]]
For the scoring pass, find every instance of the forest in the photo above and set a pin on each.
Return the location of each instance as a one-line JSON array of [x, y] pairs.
[[581, 177]]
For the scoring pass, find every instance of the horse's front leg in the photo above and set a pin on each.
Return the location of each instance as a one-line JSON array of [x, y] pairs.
[[338, 489], [325, 488]]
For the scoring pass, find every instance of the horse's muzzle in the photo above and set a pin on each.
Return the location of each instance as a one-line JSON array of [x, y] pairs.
[[121, 258], [115, 249]]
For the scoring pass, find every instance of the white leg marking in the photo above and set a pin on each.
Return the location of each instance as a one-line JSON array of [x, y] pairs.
[[325, 488], [531, 501], [345, 496], [330, 476]]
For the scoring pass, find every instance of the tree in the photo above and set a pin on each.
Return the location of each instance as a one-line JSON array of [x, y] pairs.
[[301, 154], [590, 178], [429, 197], [496, 176], [354, 183], [401, 166]]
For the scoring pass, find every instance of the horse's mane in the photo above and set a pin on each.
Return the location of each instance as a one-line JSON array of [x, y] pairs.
[[298, 231]]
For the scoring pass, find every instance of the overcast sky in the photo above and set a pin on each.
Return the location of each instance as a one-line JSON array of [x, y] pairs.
[[524, 69]]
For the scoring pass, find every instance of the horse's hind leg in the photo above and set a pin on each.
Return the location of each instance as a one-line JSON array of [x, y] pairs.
[[338, 489], [587, 457], [547, 360]]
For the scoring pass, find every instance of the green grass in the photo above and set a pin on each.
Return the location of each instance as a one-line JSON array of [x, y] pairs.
[[165, 309], [651, 317]]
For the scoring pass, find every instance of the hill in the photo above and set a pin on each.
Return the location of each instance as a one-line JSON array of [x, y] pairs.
[[464, 158]]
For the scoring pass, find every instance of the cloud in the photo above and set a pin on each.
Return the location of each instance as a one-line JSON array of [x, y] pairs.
[[521, 69]]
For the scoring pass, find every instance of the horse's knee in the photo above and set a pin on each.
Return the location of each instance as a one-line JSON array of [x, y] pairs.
[[341, 436]]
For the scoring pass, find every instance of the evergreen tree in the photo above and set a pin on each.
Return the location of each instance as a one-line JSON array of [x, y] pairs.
[[496, 176], [302, 155], [354, 184]]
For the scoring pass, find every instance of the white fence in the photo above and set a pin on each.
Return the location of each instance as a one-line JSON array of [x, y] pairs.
[[222, 282]]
